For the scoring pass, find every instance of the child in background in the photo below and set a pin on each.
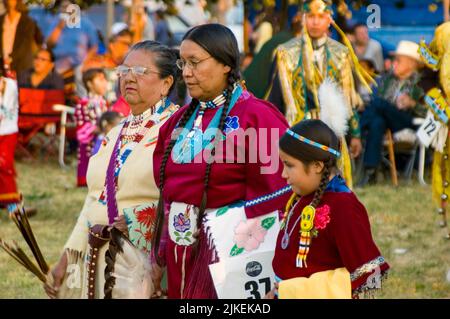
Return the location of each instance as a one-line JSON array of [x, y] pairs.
[[106, 123], [325, 247], [87, 113]]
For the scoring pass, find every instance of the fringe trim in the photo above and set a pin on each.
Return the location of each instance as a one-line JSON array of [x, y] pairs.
[[183, 270], [200, 284], [71, 287], [370, 290]]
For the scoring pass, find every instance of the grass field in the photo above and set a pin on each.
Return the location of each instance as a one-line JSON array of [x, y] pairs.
[[404, 225]]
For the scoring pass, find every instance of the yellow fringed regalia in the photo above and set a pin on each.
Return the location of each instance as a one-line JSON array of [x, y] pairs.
[[437, 57], [300, 78]]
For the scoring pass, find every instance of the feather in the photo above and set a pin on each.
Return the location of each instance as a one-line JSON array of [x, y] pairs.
[[128, 270], [18, 254], [333, 108], [18, 215]]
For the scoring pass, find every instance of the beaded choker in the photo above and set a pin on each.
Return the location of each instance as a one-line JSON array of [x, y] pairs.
[[140, 117], [218, 101]]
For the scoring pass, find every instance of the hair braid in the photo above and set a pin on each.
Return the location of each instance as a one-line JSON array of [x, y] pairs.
[[160, 209], [232, 78], [323, 183]]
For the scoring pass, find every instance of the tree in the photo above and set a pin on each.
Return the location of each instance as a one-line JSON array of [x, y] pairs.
[[83, 4]]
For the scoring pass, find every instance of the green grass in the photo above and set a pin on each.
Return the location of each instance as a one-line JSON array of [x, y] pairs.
[[400, 218]]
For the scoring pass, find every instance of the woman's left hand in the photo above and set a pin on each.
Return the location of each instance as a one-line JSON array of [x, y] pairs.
[[121, 224], [157, 274], [272, 294]]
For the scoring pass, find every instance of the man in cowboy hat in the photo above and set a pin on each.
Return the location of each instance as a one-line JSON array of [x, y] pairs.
[[303, 63], [394, 105]]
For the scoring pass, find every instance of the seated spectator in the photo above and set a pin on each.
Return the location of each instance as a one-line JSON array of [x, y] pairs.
[[43, 74], [369, 66], [119, 44], [72, 44], [393, 106], [87, 114], [73, 40], [367, 48]]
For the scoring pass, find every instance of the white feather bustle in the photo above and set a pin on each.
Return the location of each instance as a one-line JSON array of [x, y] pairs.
[[334, 110]]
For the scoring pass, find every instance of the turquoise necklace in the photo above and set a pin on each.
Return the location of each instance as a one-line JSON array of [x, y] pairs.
[[192, 140]]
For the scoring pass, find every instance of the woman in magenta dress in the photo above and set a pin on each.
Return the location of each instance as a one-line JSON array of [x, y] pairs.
[[195, 174], [325, 247]]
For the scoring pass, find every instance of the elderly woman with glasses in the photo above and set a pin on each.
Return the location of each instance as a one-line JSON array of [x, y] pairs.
[[200, 167], [121, 190]]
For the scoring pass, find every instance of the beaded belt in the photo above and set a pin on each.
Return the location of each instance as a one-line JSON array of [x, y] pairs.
[[98, 236]]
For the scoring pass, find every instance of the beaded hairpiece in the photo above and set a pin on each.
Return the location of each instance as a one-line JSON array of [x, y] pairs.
[[317, 6], [312, 143]]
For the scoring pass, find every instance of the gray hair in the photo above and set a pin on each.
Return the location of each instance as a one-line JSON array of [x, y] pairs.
[[165, 57]]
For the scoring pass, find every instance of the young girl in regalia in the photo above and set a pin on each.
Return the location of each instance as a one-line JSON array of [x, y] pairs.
[[325, 247]]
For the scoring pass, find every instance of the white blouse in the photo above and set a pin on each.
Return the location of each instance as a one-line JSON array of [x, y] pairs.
[[9, 108]]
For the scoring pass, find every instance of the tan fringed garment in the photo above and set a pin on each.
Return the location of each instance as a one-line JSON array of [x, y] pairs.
[[136, 186]]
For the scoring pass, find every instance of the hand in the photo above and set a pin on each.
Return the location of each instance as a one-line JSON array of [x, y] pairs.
[[56, 277], [355, 147], [404, 102], [121, 224], [271, 294], [157, 274]]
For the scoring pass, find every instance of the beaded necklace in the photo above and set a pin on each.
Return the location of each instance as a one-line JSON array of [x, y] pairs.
[[130, 136], [306, 227], [193, 140]]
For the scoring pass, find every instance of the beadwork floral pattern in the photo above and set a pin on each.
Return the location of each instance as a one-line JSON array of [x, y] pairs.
[[249, 234], [231, 124], [140, 221], [322, 217], [181, 223]]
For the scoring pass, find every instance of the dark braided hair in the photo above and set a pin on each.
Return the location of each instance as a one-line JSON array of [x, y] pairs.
[[160, 209], [319, 132], [221, 44]]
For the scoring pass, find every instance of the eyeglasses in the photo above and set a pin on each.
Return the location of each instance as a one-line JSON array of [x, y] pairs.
[[181, 64], [123, 70]]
